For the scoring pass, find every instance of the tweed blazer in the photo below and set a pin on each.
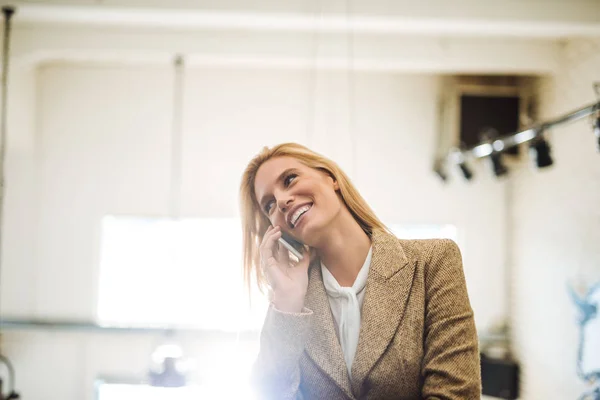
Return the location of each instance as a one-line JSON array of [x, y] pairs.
[[417, 337]]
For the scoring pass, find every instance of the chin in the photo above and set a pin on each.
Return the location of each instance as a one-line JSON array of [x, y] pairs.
[[310, 234]]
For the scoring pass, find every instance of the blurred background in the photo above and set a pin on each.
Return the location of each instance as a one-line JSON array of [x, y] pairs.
[[127, 125]]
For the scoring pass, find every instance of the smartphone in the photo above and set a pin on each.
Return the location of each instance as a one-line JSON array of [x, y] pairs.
[[294, 246]]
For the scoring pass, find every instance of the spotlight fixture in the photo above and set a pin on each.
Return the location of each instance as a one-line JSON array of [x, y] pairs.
[[440, 171], [596, 114], [457, 156], [489, 136], [539, 150], [497, 165], [466, 171], [597, 128]]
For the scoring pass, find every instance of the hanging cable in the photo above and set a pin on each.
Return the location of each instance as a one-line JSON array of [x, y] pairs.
[[167, 369], [313, 77], [351, 88], [176, 139]]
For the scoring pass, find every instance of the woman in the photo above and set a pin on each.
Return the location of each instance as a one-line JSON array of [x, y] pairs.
[[363, 315]]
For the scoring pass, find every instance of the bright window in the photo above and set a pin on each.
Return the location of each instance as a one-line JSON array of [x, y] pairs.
[[184, 272], [187, 272]]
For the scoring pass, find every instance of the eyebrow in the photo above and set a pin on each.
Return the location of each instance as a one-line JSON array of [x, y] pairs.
[[280, 178]]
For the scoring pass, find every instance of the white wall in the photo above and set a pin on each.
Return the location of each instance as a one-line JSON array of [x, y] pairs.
[[102, 147], [556, 235], [20, 190]]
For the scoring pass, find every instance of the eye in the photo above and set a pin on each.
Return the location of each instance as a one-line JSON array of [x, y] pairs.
[[269, 206], [288, 179]]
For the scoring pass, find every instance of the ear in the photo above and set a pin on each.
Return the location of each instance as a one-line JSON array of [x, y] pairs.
[[336, 185], [329, 176]]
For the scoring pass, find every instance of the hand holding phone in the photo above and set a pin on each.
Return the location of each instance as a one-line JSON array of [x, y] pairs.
[[288, 280], [294, 248]]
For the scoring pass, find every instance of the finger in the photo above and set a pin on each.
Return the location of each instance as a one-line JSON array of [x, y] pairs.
[[269, 241], [268, 230], [267, 233], [264, 253], [267, 247]]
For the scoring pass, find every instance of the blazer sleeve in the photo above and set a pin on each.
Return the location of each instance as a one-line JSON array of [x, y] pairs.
[[451, 365], [276, 372]]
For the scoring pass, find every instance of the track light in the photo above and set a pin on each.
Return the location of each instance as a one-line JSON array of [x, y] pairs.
[[440, 171], [539, 150], [441, 174], [489, 136], [597, 129], [596, 114], [492, 145], [466, 171], [458, 157], [497, 165]]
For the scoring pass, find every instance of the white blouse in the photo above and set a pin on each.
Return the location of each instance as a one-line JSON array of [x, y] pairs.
[[346, 304]]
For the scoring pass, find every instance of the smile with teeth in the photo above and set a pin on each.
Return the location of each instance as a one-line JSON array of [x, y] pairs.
[[298, 213]]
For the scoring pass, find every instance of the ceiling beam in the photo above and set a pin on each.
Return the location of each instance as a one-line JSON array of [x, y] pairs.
[[288, 50], [500, 18]]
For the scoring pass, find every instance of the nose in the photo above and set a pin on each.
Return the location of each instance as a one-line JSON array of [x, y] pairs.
[[284, 202]]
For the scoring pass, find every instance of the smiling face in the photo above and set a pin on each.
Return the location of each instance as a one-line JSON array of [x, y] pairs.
[[303, 201]]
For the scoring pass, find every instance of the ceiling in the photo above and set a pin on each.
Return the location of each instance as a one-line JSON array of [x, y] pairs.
[[516, 36]]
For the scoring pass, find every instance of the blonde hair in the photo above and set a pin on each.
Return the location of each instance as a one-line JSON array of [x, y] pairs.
[[255, 223]]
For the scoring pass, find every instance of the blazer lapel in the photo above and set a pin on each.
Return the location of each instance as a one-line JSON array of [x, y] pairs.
[[323, 346], [388, 286]]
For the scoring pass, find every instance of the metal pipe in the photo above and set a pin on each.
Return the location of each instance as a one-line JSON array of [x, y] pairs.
[[8, 12]]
